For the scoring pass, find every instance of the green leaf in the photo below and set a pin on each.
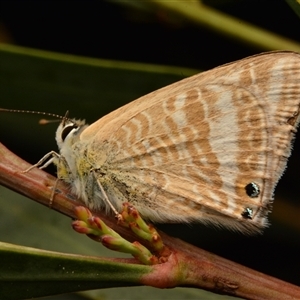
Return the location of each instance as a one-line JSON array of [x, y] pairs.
[[295, 5], [237, 29], [36, 273]]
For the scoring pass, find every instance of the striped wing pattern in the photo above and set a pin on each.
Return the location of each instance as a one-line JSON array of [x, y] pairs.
[[187, 152]]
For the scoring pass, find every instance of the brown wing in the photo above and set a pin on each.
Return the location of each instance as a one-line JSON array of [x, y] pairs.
[[209, 148]]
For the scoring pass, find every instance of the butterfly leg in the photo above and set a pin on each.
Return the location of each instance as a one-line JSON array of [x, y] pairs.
[[40, 164], [118, 216]]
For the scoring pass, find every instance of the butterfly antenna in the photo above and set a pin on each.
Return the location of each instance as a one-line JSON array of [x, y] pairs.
[[65, 118], [42, 121]]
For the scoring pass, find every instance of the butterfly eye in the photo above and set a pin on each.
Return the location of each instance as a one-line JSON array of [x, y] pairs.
[[247, 213], [67, 130], [252, 190]]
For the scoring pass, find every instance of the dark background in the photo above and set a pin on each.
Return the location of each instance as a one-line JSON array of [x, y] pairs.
[[107, 30]]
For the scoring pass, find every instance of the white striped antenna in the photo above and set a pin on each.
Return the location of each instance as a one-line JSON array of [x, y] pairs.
[[41, 121]]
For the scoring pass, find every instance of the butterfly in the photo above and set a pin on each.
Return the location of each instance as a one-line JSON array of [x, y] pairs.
[[210, 148]]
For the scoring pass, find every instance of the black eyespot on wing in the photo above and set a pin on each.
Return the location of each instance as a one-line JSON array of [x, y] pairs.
[[247, 213], [67, 130], [252, 190]]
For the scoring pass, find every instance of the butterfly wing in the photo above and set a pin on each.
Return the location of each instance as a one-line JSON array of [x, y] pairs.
[[210, 148]]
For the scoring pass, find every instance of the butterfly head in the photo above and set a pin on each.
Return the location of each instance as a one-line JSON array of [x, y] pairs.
[[69, 131]]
